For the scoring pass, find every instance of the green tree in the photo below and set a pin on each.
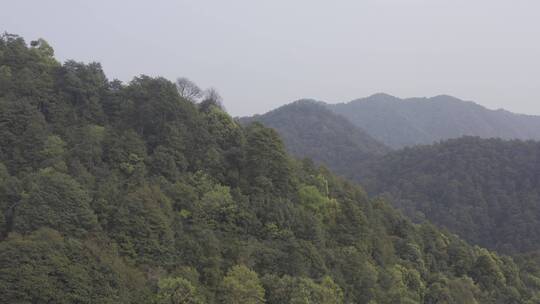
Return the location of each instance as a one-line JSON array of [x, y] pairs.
[[242, 286], [44, 267], [141, 224], [301, 290], [217, 208], [53, 153], [267, 166], [177, 291], [54, 200], [23, 132], [326, 208], [487, 272], [307, 291]]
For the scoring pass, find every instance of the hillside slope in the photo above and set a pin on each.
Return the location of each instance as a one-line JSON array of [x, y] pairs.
[[486, 190], [310, 130], [407, 122], [127, 193]]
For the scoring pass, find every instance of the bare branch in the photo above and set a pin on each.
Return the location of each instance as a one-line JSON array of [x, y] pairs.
[[188, 89]]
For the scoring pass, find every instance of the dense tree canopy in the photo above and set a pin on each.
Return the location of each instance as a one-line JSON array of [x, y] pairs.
[[485, 190], [129, 193]]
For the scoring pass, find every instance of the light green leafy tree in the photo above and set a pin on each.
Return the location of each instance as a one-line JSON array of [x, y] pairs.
[[177, 291], [307, 291], [242, 286]]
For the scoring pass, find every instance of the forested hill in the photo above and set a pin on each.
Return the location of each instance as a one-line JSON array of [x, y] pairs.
[[308, 129], [407, 122], [486, 190], [128, 193]]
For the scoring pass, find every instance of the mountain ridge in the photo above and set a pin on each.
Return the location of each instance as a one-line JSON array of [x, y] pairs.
[[404, 122]]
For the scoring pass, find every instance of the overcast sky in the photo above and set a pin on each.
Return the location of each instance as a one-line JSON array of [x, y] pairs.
[[262, 54]]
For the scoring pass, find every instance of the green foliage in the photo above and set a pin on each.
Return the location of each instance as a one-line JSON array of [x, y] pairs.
[[486, 272], [267, 166], [325, 208], [302, 290], [454, 291], [484, 190], [44, 267], [52, 199], [129, 193], [242, 286], [53, 153], [177, 291], [216, 207], [306, 291], [23, 132], [141, 225]]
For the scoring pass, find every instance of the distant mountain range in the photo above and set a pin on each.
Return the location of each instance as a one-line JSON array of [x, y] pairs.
[[343, 136], [406, 122]]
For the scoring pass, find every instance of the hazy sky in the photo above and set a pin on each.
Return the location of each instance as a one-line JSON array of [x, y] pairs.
[[262, 54]]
